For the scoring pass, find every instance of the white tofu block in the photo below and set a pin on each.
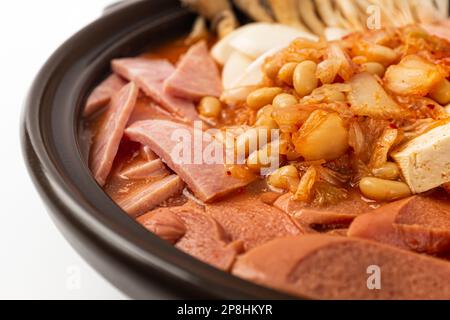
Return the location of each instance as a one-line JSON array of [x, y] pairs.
[[425, 160]]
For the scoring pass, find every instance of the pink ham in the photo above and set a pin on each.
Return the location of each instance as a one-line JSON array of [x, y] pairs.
[[208, 181], [149, 169], [150, 195], [107, 140], [196, 75], [147, 153], [146, 109], [150, 75], [102, 94]]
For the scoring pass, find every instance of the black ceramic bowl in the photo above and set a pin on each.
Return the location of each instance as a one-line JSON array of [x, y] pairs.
[[135, 261]]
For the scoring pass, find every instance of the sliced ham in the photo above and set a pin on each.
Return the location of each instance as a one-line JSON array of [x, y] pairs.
[[251, 221], [107, 140], [102, 94], [332, 216], [146, 109], [196, 75], [150, 195], [150, 75], [208, 181], [204, 238], [418, 223], [147, 153], [330, 267], [145, 170]]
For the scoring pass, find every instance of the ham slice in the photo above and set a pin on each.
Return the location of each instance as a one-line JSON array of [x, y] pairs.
[[149, 169], [150, 75], [247, 219], [147, 153], [107, 140], [208, 181], [332, 216], [331, 267], [146, 109], [148, 196], [203, 238], [418, 223], [102, 94], [196, 76]]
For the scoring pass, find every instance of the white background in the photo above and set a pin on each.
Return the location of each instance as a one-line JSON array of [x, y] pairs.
[[35, 260]]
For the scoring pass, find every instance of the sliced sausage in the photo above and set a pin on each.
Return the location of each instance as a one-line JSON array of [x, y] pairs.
[[253, 222], [330, 267], [418, 223], [165, 224], [203, 238], [338, 215]]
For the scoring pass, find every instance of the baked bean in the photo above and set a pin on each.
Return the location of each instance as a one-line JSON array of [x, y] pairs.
[[389, 171], [375, 52], [383, 190], [305, 79], [210, 107], [374, 68], [267, 110], [251, 140], [271, 68], [267, 122], [286, 73], [322, 136], [262, 97], [284, 100], [262, 158], [285, 178], [264, 118]]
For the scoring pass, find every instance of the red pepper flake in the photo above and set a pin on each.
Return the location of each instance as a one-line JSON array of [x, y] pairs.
[[431, 106], [393, 126]]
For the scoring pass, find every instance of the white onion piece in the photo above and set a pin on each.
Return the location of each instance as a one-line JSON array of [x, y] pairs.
[[222, 50], [258, 38], [332, 34], [236, 95], [253, 75], [233, 68]]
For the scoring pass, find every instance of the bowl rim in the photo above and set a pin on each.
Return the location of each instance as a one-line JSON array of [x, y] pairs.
[[54, 159]]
